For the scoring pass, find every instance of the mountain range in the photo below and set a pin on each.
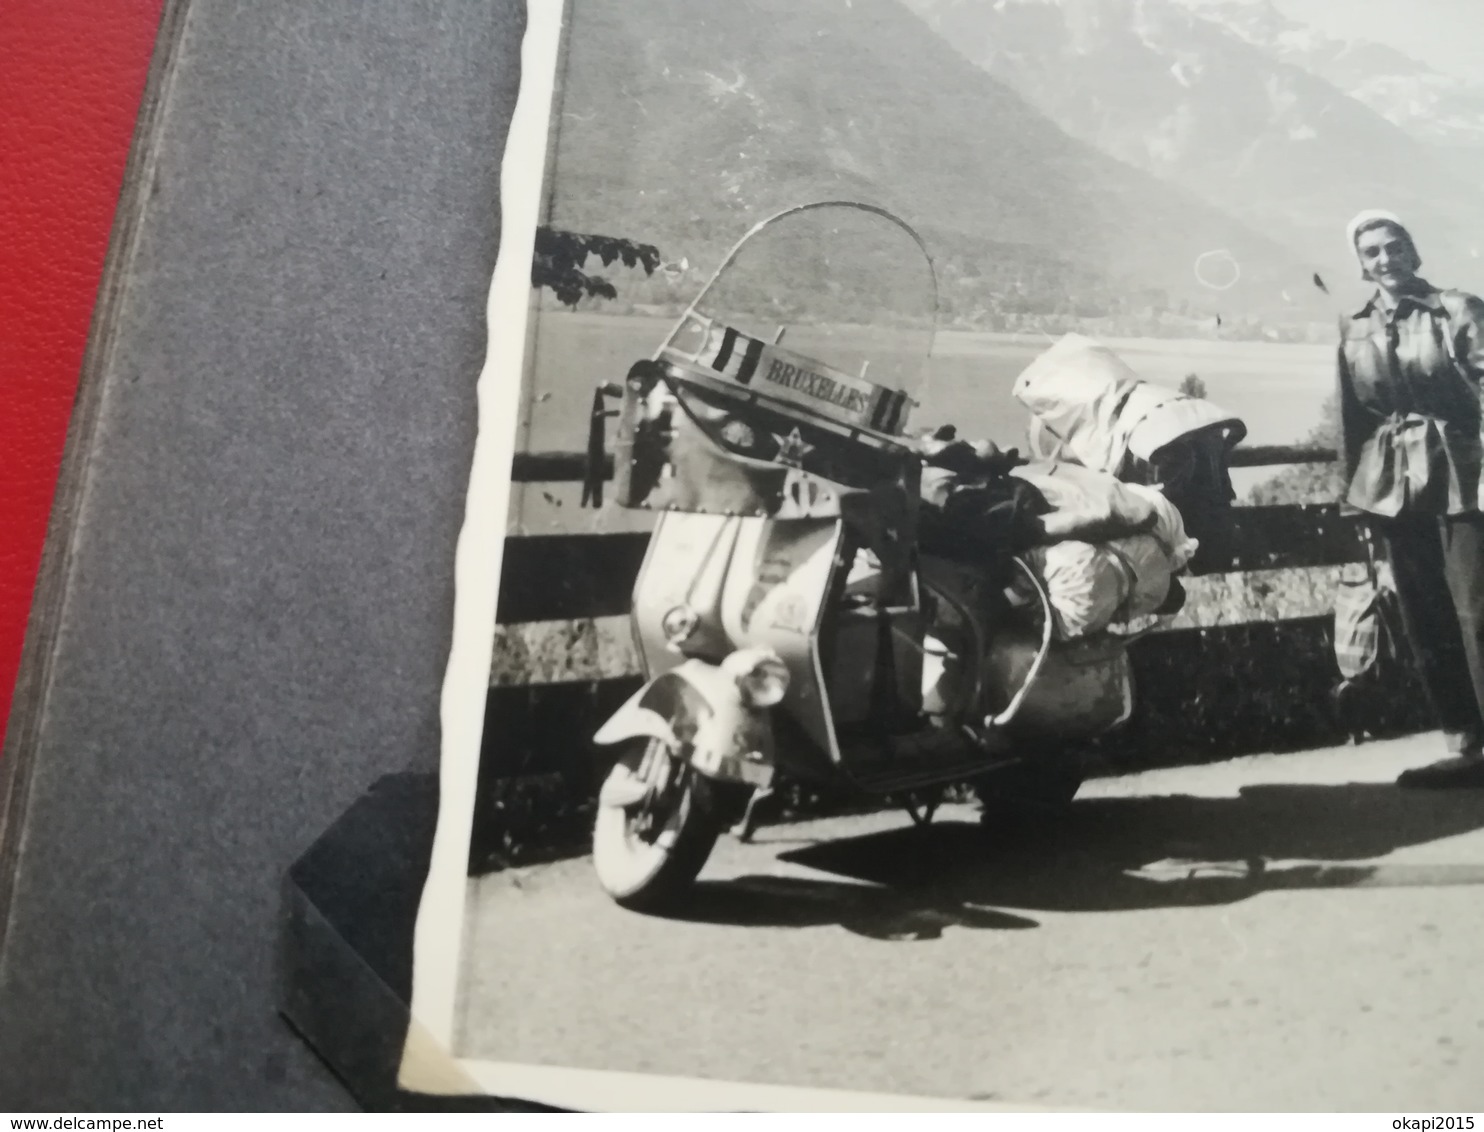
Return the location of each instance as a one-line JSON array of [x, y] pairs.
[[1073, 158], [1283, 128], [680, 124], [1437, 107]]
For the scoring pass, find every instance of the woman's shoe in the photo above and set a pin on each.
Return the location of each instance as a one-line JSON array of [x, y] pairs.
[[1458, 771]]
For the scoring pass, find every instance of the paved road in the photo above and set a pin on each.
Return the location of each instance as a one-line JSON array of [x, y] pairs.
[[1289, 933]]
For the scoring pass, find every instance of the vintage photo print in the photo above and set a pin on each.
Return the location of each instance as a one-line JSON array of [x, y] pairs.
[[972, 591]]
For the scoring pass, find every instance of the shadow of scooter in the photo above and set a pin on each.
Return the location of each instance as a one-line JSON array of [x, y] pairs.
[[865, 910], [1107, 855]]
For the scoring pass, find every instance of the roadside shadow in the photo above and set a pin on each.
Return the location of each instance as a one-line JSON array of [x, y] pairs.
[[865, 910], [1107, 855]]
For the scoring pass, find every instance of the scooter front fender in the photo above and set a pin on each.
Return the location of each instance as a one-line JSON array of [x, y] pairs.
[[698, 711], [635, 721]]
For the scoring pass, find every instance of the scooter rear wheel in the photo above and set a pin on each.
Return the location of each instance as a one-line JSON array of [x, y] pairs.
[[648, 849], [1022, 795]]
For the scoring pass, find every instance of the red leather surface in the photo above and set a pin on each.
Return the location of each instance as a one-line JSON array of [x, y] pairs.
[[71, 76]]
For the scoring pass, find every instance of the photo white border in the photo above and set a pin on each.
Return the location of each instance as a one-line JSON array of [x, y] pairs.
[[438, 938]]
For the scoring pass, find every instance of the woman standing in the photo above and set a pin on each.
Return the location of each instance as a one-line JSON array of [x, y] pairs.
[[1410, 368]]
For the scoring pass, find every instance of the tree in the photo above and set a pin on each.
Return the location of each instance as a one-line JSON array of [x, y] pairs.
[[1193, 386], [1307, 483], [561, 257]]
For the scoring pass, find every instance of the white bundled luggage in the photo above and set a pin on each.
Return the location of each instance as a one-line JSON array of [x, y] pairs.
[[1088, 505], [1117, 584], [1089, 406]]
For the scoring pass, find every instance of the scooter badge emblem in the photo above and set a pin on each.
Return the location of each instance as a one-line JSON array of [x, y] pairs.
[[792, 449]]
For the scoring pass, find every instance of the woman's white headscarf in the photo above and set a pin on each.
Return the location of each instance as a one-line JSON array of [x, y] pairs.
[[1370, 218]]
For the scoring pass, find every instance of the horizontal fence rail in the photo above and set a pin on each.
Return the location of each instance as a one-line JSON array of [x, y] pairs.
[[548, 577], [572, 467], [1278, 455]]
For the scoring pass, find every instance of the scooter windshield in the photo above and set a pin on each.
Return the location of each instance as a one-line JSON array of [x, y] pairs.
[[844, 285], [796, 368]]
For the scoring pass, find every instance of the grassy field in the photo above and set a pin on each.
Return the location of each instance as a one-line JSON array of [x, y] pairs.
[[1275, 388]]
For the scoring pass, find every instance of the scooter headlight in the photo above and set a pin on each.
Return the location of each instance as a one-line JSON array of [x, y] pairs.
[[678, 624], [761, 676]]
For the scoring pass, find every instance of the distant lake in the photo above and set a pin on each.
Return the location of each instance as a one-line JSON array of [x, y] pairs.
[[1276, 388]]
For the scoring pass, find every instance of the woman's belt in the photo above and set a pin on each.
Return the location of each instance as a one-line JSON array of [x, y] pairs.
[[1417, 463]]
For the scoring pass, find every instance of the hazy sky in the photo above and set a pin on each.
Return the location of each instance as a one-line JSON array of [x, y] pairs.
[[1446, 34]]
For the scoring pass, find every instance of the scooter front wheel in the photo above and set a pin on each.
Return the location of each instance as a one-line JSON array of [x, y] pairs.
[[657, 822]]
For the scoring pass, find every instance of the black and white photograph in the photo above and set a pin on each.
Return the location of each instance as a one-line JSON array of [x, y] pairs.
[[971, 592]]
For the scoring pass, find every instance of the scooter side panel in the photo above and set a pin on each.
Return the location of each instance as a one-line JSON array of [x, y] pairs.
[[1084, 690]]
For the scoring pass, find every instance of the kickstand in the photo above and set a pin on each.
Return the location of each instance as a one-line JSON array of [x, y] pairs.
[[921, 808], [745, 828]]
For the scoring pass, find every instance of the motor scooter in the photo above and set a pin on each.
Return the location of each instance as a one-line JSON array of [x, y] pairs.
[[790, 622]]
